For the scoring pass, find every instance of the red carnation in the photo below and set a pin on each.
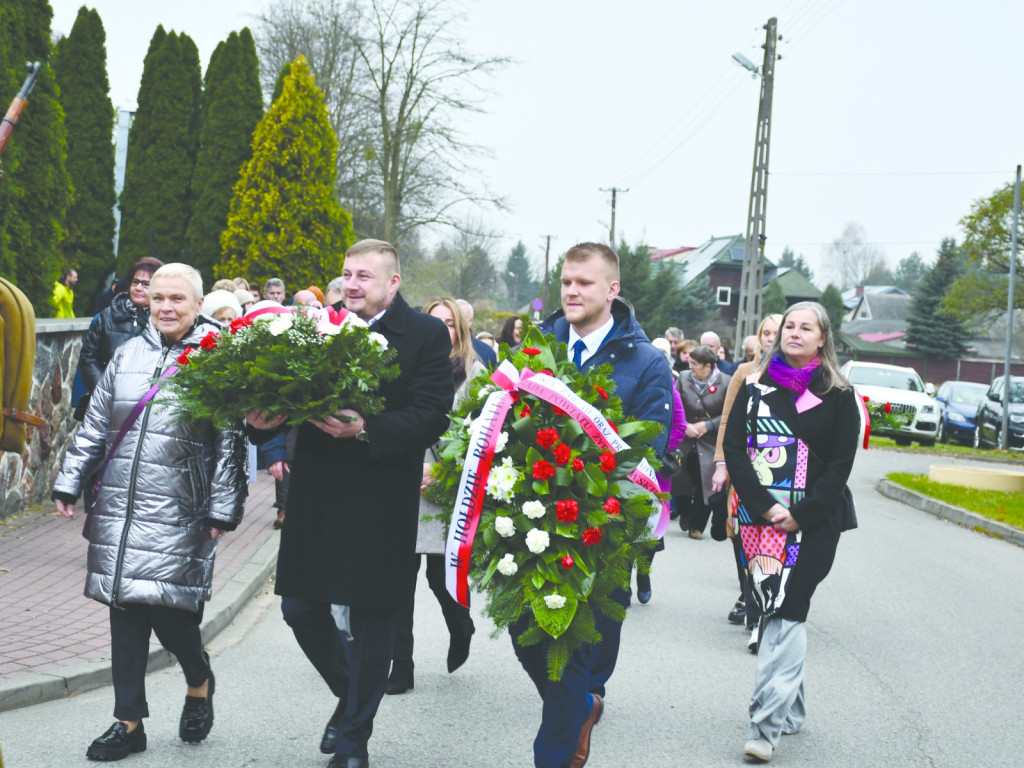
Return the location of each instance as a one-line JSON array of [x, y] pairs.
[[601, 392], [525, 412], [562, 454], [591, 536], [567, 511], [543, 470], [557, 410], [183, 357], [866, 398], [888, 408], [614, 428], [548, 372], [547, 437], [209, 340], [607, 461], [530, 351], [239, 323], [577, 465], [612, 507], [568, 562]]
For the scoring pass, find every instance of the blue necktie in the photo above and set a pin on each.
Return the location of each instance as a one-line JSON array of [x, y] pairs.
[[577, 353]]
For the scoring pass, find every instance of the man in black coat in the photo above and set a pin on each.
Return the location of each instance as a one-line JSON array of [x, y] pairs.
[[346, 556]]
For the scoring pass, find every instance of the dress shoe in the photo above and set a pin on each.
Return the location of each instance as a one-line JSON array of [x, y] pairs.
[[695, 534], [347, 761], [760, 749], [197, 716], [458, 649], [117, 743], [643, 588], [738, 614], [329, 742], [583, 744], [400, 680]]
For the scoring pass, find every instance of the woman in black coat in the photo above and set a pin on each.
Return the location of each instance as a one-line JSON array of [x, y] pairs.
[[789, 448], [126, 317]]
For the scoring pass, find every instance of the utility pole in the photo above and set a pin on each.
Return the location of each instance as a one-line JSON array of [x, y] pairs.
[[1004, 431], [752, 278], [547, 268], [611, 231]]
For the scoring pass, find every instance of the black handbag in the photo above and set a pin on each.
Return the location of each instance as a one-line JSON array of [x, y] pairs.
[[849, 512], [672, 463]]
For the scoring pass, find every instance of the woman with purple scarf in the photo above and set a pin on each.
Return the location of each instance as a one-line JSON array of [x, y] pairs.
[[789, 448]]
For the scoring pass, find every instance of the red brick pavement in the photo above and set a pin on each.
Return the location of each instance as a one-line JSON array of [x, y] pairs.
[[45, 621]]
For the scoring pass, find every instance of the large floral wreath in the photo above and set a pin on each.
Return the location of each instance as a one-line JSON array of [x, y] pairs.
[[306, 363], [564, 505]]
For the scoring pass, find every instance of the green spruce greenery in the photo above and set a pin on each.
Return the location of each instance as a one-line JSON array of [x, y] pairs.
[[36, 190], [232, 106], [80, 67], [162, 144], [661, 294], [832, 301], [285, 220], [931, 330]]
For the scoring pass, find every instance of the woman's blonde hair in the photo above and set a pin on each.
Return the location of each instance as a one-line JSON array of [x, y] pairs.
[[778, 327], [463, 346], [830, 375]]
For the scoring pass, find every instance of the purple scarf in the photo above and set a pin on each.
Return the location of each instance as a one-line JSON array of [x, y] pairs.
[[793, 379]]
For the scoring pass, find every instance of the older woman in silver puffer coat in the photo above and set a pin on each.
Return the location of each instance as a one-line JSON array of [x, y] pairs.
[[169, 490]]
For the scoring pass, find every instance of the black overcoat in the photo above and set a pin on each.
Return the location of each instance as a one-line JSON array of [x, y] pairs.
[[353, 507], [831, 430]]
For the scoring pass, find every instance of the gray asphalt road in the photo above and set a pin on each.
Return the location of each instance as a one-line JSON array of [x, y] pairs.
[[913, 660]]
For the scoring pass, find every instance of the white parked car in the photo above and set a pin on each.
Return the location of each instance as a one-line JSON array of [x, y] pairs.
[[903, 389]]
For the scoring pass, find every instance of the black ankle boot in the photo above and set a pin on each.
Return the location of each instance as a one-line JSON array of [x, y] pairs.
[[400, 679], [458, 645]]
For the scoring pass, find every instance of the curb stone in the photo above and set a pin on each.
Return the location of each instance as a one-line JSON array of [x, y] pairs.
[[85, 676], [949, 512]]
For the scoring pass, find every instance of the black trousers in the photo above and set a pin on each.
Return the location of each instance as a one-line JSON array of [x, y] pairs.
[[354, 667], [746, 588], [456, 617], [130, 628]]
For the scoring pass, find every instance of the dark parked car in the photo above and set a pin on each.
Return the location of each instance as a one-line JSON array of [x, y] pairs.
[[989, 419], [959, 401]]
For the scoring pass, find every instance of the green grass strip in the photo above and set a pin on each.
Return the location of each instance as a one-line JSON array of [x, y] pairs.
[[1003, 506]]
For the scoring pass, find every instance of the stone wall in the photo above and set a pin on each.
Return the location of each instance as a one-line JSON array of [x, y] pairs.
[[27, 478]]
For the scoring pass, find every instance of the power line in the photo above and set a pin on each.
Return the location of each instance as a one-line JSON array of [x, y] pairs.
[[888, 173]]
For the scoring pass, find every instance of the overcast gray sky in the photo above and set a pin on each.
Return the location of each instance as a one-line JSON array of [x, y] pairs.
[[894, 115]]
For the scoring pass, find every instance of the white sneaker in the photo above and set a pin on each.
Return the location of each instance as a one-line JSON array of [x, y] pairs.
[[755, 637], [759, 749]]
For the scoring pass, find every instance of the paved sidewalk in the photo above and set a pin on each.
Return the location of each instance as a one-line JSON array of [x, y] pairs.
[[55, 642]]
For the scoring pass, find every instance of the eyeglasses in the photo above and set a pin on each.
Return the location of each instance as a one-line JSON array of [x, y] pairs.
[[143, 283]]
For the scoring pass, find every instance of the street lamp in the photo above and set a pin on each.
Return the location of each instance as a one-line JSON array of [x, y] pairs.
[[746, 63]]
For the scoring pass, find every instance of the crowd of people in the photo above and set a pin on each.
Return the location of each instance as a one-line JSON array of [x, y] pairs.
[[761, 447]]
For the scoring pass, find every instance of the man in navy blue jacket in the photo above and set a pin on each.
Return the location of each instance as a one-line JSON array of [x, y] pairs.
[[599, 328]]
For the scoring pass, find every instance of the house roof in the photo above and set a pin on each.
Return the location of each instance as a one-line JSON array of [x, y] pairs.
[[667, 253], [719, 251], [852, 343], [893, 307], [793, 283], [851, 296]]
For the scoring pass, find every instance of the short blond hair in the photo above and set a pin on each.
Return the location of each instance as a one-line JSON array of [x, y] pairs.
[[369, 245], [177, 269]]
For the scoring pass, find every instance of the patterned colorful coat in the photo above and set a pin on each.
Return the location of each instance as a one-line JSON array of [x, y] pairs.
[[801, 458]]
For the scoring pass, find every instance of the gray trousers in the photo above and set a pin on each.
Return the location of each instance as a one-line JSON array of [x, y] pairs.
[[777, 704]]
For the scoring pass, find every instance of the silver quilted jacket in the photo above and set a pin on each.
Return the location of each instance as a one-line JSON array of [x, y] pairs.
[[149, 540]]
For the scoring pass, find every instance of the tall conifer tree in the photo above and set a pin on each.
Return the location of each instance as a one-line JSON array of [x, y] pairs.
[[36, 190], [162, 144], [285, 220], [930, 330], [80, 67], [232, 106]]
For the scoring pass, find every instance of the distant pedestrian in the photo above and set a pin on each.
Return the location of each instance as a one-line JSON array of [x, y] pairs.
[[484, 351], [273, 290], [511, 331], [168, 490], [64, 295], [789, 446]]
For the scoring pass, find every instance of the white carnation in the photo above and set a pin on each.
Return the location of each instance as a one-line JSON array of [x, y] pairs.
[[502, 480], [280, 324], [507, 565], [502, 442], [554, 602], [379, 340], [533, 509], [537, 541], [504, 525]]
